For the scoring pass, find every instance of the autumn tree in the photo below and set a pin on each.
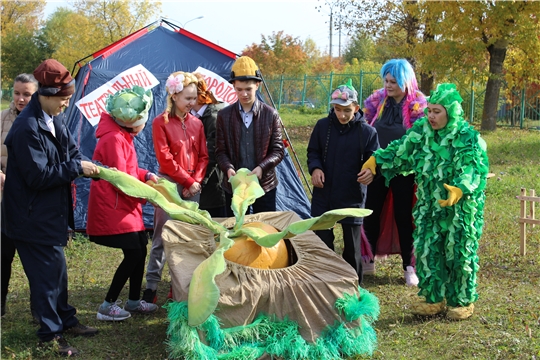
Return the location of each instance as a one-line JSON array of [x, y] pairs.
[[457, 37], [22, 49], [481, 34], [115, 19], [278, 54]]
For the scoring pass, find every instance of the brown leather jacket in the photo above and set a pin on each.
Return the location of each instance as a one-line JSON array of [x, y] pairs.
[[269, 149]]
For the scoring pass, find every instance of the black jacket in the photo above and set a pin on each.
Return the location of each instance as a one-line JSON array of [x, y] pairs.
[[37, 206], [212, 195], [340, 151]]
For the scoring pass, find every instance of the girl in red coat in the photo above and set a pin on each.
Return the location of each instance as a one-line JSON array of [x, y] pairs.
[[180, 146], [115, 219]]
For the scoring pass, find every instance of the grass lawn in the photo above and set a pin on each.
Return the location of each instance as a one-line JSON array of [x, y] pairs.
[[506, 323]]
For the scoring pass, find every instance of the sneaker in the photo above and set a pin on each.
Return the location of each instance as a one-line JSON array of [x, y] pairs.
[[143, 308], [82, 330], [368, 267], [112, 312], [410, 276], [169, 295], [60, 345], [150, 296]]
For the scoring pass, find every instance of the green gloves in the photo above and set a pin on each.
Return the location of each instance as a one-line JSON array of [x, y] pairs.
[[370, 164], [454, 194]]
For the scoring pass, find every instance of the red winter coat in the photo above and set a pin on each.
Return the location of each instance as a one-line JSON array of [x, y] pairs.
[[111, 212], [181, 154]]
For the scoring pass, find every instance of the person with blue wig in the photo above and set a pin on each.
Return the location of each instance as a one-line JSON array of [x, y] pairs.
[[392, 110], [449, 158]]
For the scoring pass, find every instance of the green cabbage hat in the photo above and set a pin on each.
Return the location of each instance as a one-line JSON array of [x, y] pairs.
[[129, 107], [448, 96]]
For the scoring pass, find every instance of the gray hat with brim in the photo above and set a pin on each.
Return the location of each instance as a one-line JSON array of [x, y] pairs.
[[130, 107], [344, 95]]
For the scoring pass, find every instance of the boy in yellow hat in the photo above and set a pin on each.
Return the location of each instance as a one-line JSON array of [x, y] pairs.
[[248, 135]]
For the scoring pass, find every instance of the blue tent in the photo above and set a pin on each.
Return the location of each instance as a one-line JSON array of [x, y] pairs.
[[161, 51]]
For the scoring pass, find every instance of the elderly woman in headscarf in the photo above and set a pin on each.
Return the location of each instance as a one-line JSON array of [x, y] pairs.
[[449, 160]]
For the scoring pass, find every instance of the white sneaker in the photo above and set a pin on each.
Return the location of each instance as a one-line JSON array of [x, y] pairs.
[[368, 267], [410, 276]]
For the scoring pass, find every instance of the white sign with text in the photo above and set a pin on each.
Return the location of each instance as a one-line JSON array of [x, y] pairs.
[[93, 104]]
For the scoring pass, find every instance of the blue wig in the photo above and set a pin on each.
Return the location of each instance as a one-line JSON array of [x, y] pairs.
[[403, 72]]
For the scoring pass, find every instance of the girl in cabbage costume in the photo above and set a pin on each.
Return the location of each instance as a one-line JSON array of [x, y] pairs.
[[449, 159], [114, 218]]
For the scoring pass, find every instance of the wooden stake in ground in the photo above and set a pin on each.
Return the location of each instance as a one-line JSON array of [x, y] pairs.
[[525, 218]]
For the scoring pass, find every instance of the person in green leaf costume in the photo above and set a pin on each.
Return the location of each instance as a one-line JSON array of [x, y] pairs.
[[449, 160]]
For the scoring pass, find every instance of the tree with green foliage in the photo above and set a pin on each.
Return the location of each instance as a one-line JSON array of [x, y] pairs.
[[278, 54], [454, 38], [360, 47], [22, 49]]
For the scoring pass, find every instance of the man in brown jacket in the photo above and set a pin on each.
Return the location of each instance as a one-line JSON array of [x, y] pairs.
[[248, 135]]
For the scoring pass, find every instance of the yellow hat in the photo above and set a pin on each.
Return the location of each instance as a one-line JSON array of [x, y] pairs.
[[244, 68]]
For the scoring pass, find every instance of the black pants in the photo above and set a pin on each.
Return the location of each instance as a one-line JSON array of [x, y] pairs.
[[351, 249], [8, 253], [402, 192], [131, 267], [45, 267], [267, 202]]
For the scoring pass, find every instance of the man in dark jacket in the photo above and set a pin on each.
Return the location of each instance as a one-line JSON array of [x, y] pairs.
[[37, 206], [338, 147], [248, 136]]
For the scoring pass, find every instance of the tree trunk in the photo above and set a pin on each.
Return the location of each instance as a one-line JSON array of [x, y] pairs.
[[497, 54], [426, 83]]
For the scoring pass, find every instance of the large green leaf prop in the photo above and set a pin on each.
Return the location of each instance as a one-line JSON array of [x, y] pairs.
[[181, 210], [203, 294], [246, 190]]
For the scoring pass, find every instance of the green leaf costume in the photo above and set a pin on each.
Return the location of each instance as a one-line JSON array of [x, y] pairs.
[[445, 238]]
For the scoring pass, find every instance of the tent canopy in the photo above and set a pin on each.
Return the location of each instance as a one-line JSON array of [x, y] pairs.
[[161, 51]]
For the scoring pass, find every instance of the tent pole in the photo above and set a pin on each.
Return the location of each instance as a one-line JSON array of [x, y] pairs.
[[287, 136]]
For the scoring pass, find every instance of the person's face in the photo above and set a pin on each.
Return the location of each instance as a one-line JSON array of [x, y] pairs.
[[392, 87], [138, 129], [185, 99], [346, 113], [54, 105], [437, 116], [22, 92], [246, 91]]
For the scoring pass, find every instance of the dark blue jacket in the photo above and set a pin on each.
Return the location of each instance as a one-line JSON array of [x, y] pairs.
[[37, 206], [340, 154]]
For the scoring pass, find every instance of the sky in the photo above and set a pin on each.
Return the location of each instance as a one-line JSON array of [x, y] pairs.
[[236, 25]]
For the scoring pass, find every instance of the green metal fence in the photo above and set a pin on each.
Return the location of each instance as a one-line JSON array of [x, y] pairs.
[[520, 109]]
